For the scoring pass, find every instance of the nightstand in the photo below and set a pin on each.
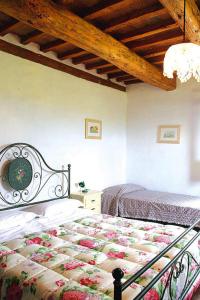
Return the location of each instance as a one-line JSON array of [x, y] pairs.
[[91, 199]]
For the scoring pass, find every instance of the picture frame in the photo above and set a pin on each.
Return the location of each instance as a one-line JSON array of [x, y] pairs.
[[93, 129], [168, 134]]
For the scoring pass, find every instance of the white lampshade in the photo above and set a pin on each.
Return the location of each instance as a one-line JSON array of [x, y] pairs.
[[184, 59]]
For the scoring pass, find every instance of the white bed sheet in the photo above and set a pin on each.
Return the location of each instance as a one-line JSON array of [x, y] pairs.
[[48, 222], [42, 223]]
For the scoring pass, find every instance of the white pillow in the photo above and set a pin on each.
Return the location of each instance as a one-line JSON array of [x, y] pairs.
[[12, 219], [55, 207], [67, 205]]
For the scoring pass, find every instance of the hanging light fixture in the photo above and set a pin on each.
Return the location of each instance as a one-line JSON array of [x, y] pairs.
[[184, 59]]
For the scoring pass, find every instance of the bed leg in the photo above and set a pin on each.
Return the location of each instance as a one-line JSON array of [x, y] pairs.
[[69, 179], [118, 274]]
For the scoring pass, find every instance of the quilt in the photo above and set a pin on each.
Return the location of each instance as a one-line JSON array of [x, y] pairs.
[[74, 261]]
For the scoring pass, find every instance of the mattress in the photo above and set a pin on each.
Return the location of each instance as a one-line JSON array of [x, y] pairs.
[[137, 202], [75, 260]]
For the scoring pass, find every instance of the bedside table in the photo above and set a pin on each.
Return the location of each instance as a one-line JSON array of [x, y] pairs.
[[91, 199]]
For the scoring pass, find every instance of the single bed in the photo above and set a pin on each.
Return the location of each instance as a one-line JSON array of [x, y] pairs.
[[134, 201], [69, 253]]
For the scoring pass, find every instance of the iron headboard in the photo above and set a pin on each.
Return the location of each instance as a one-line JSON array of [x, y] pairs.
[[25, 177]]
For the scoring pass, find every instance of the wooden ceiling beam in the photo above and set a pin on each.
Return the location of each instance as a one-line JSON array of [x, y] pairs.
[[155, 39], [176, 10], [102, 8], [135, 38], [151, 12], [31, 37], [154, 54], [7, 28], [124, 77], [166, 42], [51, 63], [133, 81], [116, 74], [102, 63], [107, 70], [110, 70], [96, 11], [140, 17], [51, 46], [85, 59], [160, 62], [99, 64], [156, 59], [72, 53], [145, 32], [148, 32], [63, 24], [138, 47]]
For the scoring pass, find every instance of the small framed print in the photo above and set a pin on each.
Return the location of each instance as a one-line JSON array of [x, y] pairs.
[[169, 134], [93, 129]]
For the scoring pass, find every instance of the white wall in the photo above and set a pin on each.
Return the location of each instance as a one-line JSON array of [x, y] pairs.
[[166, 167], [47, 108]]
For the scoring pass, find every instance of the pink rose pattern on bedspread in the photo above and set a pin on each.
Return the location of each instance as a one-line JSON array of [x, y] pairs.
[[74, 261]]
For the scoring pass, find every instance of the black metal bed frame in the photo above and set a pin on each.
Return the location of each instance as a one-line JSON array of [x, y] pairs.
[[174, 268], [14, 198], [42, 174]]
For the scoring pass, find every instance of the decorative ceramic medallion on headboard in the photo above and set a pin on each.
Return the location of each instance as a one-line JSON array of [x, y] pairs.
[[19, 174]]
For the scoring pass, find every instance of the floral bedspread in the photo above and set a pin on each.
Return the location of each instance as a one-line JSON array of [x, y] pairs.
[[74, 261]]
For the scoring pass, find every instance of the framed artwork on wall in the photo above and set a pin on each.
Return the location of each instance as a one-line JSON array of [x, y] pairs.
[[93, 129], [169, 134]]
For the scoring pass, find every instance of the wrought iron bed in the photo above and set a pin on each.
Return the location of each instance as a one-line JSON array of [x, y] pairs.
[[22, 181]]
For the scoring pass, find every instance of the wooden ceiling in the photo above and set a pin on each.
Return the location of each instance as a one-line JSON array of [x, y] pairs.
[[145, 27]]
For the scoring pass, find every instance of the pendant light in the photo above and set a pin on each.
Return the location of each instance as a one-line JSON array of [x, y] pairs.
[[184, 59]]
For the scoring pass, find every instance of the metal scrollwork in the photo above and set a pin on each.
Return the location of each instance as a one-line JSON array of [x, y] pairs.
[[185, 266], [20, 159], [176, 279]]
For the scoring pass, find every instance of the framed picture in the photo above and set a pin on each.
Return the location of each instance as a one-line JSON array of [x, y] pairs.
[[169, 134], [93, 129]]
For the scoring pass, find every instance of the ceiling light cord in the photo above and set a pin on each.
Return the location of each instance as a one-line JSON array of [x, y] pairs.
[[184, 22]]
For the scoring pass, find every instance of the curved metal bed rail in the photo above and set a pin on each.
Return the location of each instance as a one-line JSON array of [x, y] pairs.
[[174, 268]]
